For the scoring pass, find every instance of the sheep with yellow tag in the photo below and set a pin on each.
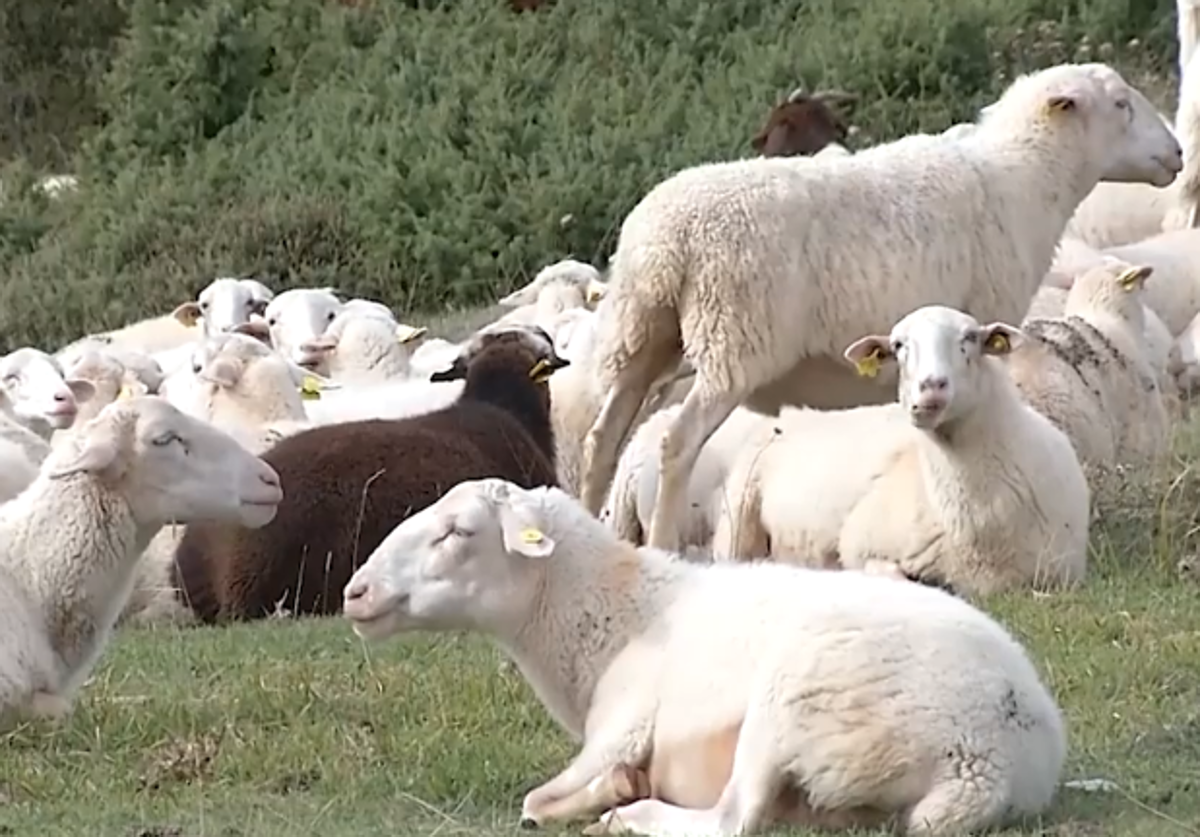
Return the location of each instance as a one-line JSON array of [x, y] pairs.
[[959, 482], [1089, 371]]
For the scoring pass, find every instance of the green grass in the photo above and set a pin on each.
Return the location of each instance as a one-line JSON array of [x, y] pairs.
[[293, 726]]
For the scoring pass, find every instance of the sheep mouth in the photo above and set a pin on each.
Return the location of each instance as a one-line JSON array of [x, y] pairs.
[[379, 623]]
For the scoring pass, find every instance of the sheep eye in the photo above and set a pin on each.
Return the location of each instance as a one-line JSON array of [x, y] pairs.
[[12, 380], [1123, 104], [203, 306], [195, 369], [271, 322], [897, 345], [164, 440], [331, 316]]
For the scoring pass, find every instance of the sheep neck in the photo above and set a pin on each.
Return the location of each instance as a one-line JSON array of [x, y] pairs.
[[498, 383], [72, 544], [588, 611]]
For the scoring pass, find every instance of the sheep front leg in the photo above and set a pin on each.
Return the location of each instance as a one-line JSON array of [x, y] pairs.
[[605, 773]]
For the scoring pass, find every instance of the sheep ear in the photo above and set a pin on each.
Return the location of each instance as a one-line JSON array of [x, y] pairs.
[[1134, 277], [224, 372], [97, 454], [188, 313], [521, 534], [81, 389], [868, 354], [1060, 103], [456, 372], [407, 333], [999, 338], [521, 296], [259, 306], [329, 289], [258, 329], [595, 291]]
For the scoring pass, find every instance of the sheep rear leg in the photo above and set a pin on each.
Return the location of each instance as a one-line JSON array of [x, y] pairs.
[[968, 798], [702, 412], [612, 426]]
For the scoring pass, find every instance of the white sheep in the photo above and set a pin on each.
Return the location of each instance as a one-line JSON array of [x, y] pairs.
[[556, 287], [960, 482], [298, 315], [69, 543], [1087, 370], [749, 268], [35, 393], [723, 690], [110, 378], [361, 348]]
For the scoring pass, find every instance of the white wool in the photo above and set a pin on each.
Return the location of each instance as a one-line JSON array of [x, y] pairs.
[[69, 542], [959, 482], [361, 348], [834, 682], [756, 269]]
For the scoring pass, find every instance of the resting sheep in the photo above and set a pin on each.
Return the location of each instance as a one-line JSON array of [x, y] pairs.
[[226, 302], [69, 543], [804, 124], [958, 483], [297, 315], [349, 484], [736, 697], [1087, 370], [752, 269], [35, 393], [358, 348]]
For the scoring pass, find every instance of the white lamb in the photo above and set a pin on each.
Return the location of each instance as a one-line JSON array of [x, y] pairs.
[[960, 482], [1087, 370], [35, 393], [69, 543], [749, 696], [298, 315], [754, 268], [361, 348]]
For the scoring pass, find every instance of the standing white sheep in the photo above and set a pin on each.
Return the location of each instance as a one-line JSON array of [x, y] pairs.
[[69, 543], [755, 269], [747, 696]]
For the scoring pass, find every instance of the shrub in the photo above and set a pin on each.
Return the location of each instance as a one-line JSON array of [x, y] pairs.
[[435, 154]]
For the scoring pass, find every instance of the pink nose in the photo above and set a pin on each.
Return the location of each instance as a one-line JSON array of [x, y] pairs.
[[356, 590]]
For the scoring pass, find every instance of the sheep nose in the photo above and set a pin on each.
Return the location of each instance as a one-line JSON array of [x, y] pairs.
[[355, 590], [62, 397], [935, 384], [270, 477]]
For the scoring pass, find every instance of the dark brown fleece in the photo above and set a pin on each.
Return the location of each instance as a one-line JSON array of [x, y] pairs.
[[802, 127], [346, 486]]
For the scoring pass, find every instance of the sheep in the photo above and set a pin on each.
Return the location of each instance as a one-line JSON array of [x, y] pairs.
[[1087, 370], [742, 266], [35, 393], [1184, 363], [558, 287], [1183, 212], [226, 302], [69, 542], [18, 463], [822, 692], [298, 315], [110, 379], [960, 482], [358, 348], [804, 124], [349, 484]]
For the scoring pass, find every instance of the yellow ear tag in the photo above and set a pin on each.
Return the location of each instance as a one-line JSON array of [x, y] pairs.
[[868, 366], [594, 294], [1129, 279], [125, 392], [310, 389], [998, 343], [538, 369], [532, 535], [409, 335]]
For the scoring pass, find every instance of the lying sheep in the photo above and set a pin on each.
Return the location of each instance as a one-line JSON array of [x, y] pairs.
[[68, 544], [226, 302], [559, 287], [804, 124], [357, 349], [1087, 370], [829, 699], [110, 379], [35, 393], [760, 316], [959, 483], [298, 315], [349, 484]]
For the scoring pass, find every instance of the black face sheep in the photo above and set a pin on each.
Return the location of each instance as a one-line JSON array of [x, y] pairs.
[[803, 124], [347, 485]]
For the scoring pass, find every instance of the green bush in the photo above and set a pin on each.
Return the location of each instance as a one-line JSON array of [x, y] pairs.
[[437, 155]]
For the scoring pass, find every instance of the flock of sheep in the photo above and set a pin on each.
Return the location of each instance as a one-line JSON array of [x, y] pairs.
[[811, 430]]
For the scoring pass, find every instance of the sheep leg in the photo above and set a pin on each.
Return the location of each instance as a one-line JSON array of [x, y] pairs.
[[619, 785], [47, 706], [611, 429], [702, 412]]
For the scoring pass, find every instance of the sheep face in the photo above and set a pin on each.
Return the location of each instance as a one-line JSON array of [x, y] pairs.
[[1114, 287], [576, 283], [298, 315], [531, 340], [1113, 121], [225, 304], [241, 368], [37, 392], [468, 562], [939, 351], [803, 125], [170, 467]]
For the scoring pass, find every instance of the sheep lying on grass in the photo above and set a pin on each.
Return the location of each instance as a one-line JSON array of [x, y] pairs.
[[349, 484], [959, 483], [69, 543], [226, 302], [34, 391], [755, 269], [828, 699]]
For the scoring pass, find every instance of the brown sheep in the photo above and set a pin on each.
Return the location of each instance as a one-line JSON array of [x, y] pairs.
[[803, 124], [346, 486]]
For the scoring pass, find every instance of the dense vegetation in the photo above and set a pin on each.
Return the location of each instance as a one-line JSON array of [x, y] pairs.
[[430, 153]]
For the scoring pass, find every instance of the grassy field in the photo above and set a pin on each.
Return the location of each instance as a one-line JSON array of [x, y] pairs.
[[294, 726]]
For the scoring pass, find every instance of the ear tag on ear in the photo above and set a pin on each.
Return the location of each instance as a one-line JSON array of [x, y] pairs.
[[593, 295], [310, 388], [125, 393], [1129, 279], [868, 366], [531, 535], [998, 343], [406, 334], [537, 370]]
